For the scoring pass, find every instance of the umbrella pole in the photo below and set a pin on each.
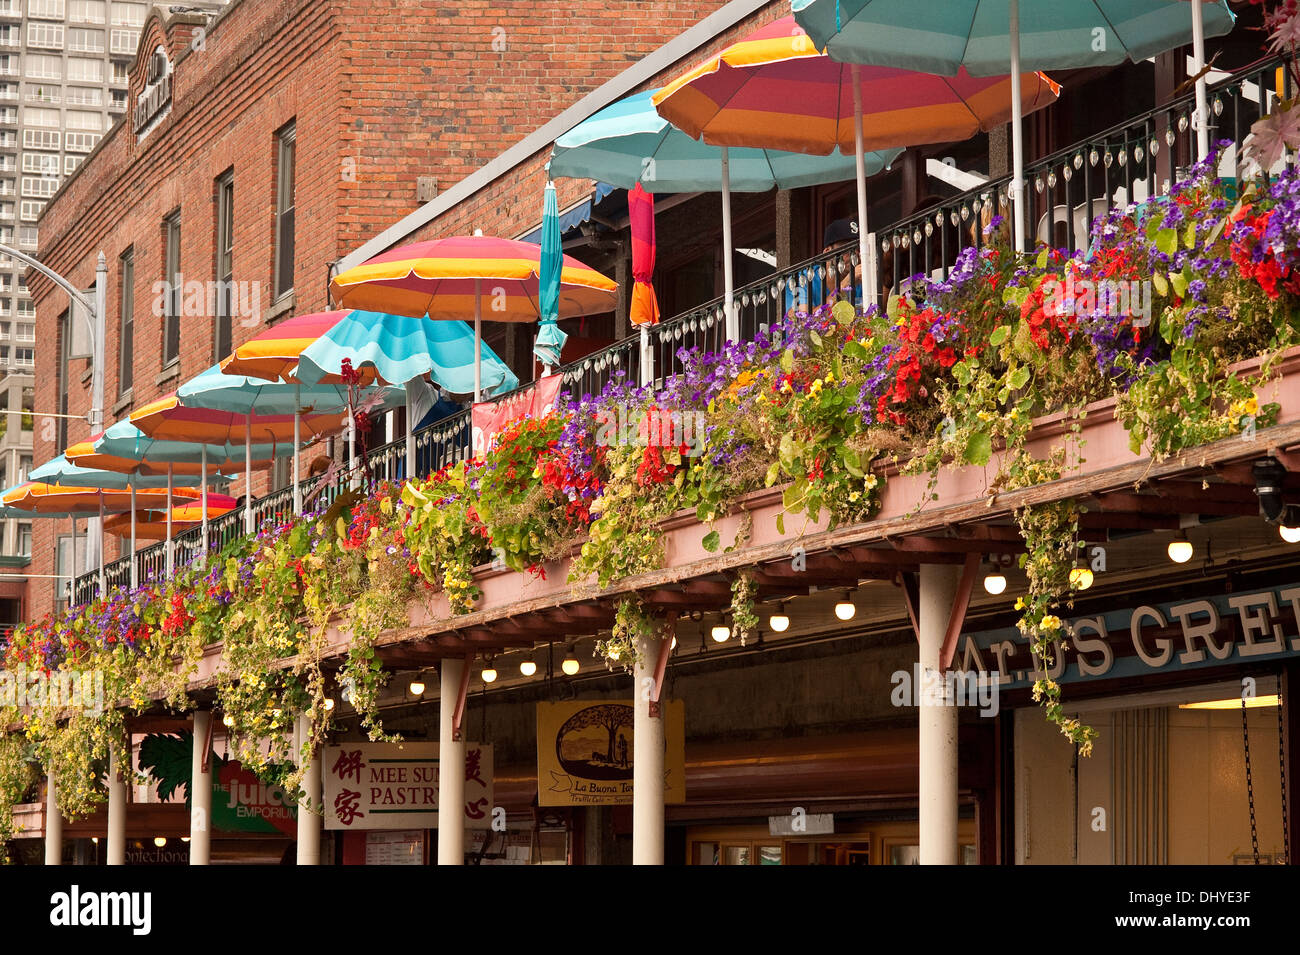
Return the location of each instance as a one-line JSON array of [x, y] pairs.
[[297, 441], [352, 441], [248, 479], [170, 490], [1198, 65], [732, 325], [101, 544], [478, 340], [410, 434], [135, 581], [1017, 134], [866, 249], [203, 494], [647, 357]]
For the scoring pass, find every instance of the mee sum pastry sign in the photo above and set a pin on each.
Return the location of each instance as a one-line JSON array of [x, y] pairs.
[[1154, 638], [395, 785]]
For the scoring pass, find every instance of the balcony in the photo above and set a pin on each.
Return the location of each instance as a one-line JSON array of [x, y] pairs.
[[1065, 191]]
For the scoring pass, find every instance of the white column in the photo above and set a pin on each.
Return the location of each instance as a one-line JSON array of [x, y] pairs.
[[729, 280], [451, 768], [647, 760], [200, 792], [116, 810], [938, 721], [1017, 132], [309, 823], [1198, 64], [53, 824]]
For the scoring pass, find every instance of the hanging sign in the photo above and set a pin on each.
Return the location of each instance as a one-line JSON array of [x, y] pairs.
[[395, 785], [1179, 635], [489, 418], [584, 753]]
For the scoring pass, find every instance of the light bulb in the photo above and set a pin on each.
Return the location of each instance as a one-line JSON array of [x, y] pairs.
[[674, 643], [1289, 534], [329, 703], [160, 841], [417, 688], [845, 609], [570, 664], [528, 667], [721, 634], [1081, 578], [228, 720], [185, 838], [489, 674], [1180, 551], [995, 583], [779, 622], [95, 839]]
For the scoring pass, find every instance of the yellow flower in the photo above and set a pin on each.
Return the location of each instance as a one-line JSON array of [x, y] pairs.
[[1020, 603], [1051, 622], [815, 387]]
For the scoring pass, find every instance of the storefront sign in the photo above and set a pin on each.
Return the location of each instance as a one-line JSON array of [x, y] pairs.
[[404, 847], [395, 785], [1155, 638], [490, 417], [584, 753], [243, 803], [157, 93]]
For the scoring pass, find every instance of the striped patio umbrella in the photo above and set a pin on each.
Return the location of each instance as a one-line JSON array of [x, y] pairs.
[[153, 525], [448, 279], [774, 90], [628, 142], [273, 354], [989, 37]]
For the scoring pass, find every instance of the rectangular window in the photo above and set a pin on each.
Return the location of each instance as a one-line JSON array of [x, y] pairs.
[[128, 14], [24, 540], [175, 281], [120, 73], [85, 70], [49, 9], [41, 139], [46, 36], [284, 209], [126, 345], [40, 116], [40, 187], [31, 210], [87, 11], [70, 164], [40, 93], [41, 66], [8, 64], [83, 119], [81, 142], [26, 309], [24, 356], [124, 41], [225, 262], [85, 96], [41, 164], [23, 332], [82, 40]]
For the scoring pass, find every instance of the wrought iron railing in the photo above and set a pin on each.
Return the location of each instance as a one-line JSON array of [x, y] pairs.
[[1064, 192]]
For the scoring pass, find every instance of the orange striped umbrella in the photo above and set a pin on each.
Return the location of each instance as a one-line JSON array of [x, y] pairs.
[[40, 498], [774, 90], [152, 525], [167, 419], [273, 355], [446, 278]]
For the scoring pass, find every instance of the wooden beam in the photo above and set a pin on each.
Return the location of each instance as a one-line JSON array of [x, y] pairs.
[[661, 664], [958, 615], [911, 599], [460, 698], [955, 546], [1159, 504]]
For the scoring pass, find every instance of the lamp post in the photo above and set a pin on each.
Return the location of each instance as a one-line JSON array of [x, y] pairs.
[[95, 324]]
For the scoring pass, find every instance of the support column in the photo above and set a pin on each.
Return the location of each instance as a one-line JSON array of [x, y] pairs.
[[451, 767], [938, 721], [647, 756], [116, 810], [309, 822], [201, 790], [53, 824]]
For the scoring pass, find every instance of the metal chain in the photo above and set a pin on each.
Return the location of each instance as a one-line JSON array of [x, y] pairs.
[[1281, 766], [1250, 786]]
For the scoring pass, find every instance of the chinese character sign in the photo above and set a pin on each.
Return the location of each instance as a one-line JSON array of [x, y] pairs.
[[395, 785]]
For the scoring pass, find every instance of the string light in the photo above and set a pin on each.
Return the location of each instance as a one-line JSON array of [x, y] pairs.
[[779, 622], [845, 609], [1180, 549], [570, 665], [528, 666]]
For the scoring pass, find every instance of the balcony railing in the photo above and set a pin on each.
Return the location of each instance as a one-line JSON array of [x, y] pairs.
[[1064, 193]]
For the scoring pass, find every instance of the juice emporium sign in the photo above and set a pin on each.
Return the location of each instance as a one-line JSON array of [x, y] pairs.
[[1212, 631]]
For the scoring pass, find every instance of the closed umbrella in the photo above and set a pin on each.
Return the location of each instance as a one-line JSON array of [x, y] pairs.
[[644, 308], [988, 37], [550, 339], [773, 89], [628, 142]]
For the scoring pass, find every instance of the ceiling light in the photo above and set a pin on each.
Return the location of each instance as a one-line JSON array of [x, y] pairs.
[[160, 841], [417, 686], [1081, 578], [529, 666], [489, 672], [228, 721], [1289, 526], [329, 703], [721, 633], [1180, 549], [570, 664], [1232, 704], [845, 608], [779, 622], [995, 583]]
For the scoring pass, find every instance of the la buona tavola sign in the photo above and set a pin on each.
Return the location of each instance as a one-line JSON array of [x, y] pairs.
[[1185, 634]]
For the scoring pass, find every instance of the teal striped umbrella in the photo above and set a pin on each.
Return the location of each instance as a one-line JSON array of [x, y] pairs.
[[991, 37]]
